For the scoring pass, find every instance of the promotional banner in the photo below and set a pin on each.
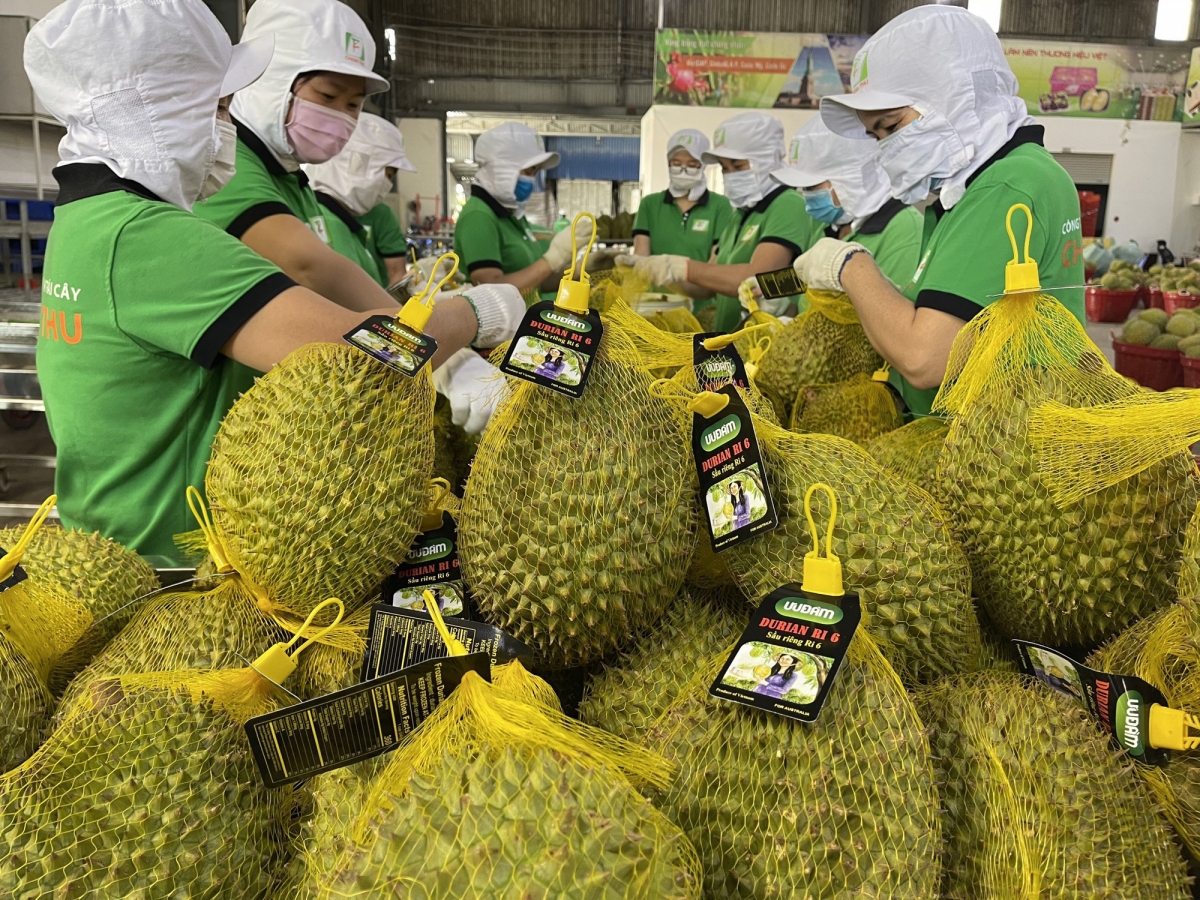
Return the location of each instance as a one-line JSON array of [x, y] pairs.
[[753, 70]]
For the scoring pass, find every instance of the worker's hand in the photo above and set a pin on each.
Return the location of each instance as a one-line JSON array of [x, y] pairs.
[[424, 268], [499, 309], [821, 266], [472, 385], [558, 257], [751, 298], [662, 270]]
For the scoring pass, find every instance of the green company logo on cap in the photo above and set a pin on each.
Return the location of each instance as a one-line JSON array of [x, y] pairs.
[[721, 433], [860, 72], [436, 550], [355, 50], [719, 137], [562, 321], [809, 610], [1129, 723]]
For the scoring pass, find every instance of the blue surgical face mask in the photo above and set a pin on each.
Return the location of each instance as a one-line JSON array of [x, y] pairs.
[[523, 189], [819, 204]]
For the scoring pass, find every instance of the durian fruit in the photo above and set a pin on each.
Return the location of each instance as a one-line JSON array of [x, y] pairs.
[[858, 409], [26, 703], [1182, 324], [707, 317], [1190, 346], [1166, 342], [1038, 802], [578, 520], [895, 545], [453, 447], [846, 807], [825, 344], [1140, 332], [148, 789], [912, 452], [1063, 575], [99, 573], [1156, 317], [676, 321]]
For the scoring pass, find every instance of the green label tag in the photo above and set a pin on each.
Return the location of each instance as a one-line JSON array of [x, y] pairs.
[[809, 610], [573, 322], [721, 433], [1130, 721]]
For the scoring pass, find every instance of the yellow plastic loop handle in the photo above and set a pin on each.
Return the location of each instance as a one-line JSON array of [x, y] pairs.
[[12, 559], [276, 664], [439, 490], [822, 575], [583, 276], [575, 294], [337, 620], [453, 644], [1020, 277], [216, 547], [721, 341], [416, 312], [669, 389]]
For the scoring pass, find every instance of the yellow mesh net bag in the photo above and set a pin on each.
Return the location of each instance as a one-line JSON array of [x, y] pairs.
[[498, 796], [912, 451], [1037, 802], [148, 789], [845, 807], [677, 321], [822, 345], [1070, 574], [578, 520], [858, 409], [899, 557]]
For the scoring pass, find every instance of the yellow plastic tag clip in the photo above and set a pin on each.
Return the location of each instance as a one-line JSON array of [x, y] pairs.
[[882, 373], [576, 294], [453, 644], [276, 664], [1020, 277], [415, 314], [822, 574], [708, 404], [1170, 729], [12, 559], [439, 488]]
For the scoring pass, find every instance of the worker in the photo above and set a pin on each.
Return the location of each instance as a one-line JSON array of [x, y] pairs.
[[845, 189], [768, 230], [687, 218], [494, 241], [353, 187], [942, 102], [153, 321]]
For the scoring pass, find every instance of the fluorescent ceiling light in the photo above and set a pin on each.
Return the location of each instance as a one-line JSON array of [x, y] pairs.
[[389, 35], [988, 10], [1174, 20]]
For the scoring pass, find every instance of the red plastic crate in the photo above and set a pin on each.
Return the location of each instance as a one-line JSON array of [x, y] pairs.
[[1172, 303], [1108, 306], [1191, 371], [1159, 370]]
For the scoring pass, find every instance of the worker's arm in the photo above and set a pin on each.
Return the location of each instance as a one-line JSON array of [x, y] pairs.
[[311, 263], [915, 340], [537, 276], [641, 245], [397, 268], [297, 317], [713, 278]]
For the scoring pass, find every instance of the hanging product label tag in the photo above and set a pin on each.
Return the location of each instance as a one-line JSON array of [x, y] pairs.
[[18, 575], [733, 477], [780, 283], [716, 368], [790, 653], [1120, 703], [354, 723], [430, 564], [399, 638], [554, 347], [393, 344]]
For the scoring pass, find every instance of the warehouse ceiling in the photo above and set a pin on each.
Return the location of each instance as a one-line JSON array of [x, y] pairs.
[[594, 58]]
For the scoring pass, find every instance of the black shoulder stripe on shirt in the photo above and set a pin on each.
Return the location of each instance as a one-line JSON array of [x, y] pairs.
[[257, 213], [399, 255], [638, 231], [951, 304], [783, 242], [338, 208], [484, 264], [207, 351]]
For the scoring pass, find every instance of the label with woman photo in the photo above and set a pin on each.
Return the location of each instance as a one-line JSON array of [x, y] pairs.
[[554, 347], [394, 345]]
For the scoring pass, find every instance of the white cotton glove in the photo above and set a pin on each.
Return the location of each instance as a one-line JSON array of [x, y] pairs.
[[558, 257], [424, 268], [749, 292], [821, 266], [662, 270], [473, 387], [499, 309]]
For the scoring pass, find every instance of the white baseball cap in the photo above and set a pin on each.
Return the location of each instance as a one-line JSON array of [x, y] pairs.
[[515, 143]]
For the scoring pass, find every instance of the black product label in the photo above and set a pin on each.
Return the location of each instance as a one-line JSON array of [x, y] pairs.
[[18, 575], [398, 638], [1120, 703], [554, 347], [733, 478], [354, 723], [430, 564], [716, 368], [393, 344], [790, 653], [780, 283]]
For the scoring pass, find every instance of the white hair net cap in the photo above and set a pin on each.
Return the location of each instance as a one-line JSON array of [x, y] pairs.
[[502, 152], [358, 175]]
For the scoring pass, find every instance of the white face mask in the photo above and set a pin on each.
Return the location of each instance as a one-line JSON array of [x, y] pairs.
[[743, 188], [684, 180], [221, 172], [926, 149]]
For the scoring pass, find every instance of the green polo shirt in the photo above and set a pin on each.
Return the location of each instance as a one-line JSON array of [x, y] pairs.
[[138, 298], [692, 234], [384, 238], [260, 188], [490, 236], [779, 218], [964, 249], [348, 237], [893, 235]]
